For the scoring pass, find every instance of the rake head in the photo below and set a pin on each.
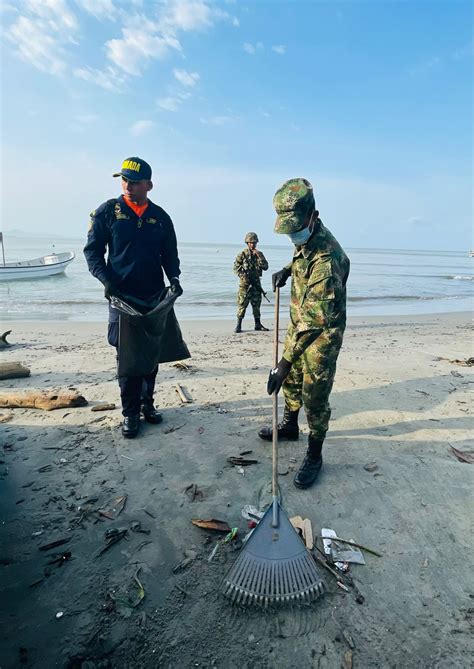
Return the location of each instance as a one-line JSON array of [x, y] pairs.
[[274, 567]]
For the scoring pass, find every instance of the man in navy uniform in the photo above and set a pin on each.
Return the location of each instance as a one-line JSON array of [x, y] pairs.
[[140, 241]]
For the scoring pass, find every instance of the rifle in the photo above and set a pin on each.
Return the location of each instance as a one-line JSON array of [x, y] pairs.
[[260, 289]]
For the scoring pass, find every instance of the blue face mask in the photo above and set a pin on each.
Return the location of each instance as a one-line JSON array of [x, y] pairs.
[[301, 237]]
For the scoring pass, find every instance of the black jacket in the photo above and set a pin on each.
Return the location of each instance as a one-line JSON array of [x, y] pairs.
[[139, 249]]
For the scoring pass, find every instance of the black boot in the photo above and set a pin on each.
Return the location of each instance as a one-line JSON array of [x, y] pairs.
[[238, 327], [287, 429], [259, 326], [151, 415], [311, 465], [130, 426]]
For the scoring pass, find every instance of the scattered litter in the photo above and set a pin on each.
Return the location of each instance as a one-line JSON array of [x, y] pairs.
[[227, 539], [103, 406], [424, 563], [183, 394], [212, 524], [136, 526], [241, 470], [332, 536], [193, 492], [114, 507], [126, 457], [112, 536], [371, 467], [59, 614], [221, 410], [61, 559], [125, 599], [242, 462], [250, 512], [348, 638], [201, 430], [342, 586], [183, 366], [63, 461], [306, 530], [173, 429], [347, 660], [462, 456], [54, 544]]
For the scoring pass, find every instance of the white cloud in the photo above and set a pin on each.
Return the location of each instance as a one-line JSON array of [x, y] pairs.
[[35, 46], [172, 102], [138, 46], [141, 127], [55, 13], [279, 48], [218, 120], [186, 78], [110, 79], [187, 15], [100, 9], [424, 67], [252, 48]]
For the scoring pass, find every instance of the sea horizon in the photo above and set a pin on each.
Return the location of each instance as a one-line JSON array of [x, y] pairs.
[[382, 282]]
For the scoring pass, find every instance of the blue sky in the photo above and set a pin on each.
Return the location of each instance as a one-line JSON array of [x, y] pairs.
[[371, 101]]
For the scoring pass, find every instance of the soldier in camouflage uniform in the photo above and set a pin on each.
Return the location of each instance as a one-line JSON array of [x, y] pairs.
[[319, 272], [249, 266]]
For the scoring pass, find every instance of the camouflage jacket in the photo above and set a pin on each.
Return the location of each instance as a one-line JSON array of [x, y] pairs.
[[319, 272], [249, 267]]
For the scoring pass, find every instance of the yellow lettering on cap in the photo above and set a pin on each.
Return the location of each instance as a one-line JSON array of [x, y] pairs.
[[131, 165]]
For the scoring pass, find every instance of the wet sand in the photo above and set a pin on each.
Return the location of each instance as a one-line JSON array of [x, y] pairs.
[[396, 403]]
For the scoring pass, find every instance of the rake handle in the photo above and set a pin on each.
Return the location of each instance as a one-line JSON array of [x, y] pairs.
[[275, 520]]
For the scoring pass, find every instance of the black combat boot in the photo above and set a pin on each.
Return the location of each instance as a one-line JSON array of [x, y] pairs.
[[130, 426], [287, 429], [259, 326], [238, 327], [151, 415], [311, 465]]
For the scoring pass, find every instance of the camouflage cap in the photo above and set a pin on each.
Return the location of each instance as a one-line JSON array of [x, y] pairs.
[[251, 237], [293, 201]]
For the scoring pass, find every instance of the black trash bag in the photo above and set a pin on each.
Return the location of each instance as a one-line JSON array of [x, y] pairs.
[[149, 333]]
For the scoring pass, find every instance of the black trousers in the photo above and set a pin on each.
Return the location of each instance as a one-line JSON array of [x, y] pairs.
[[135, 391]]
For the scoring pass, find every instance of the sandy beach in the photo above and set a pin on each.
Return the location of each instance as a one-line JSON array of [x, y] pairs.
[[398, 404]]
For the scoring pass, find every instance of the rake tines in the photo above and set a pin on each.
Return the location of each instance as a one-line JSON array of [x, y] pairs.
[[274, 567]]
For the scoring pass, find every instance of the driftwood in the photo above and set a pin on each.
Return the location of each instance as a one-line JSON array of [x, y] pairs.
[[183, 395], [41, 399], [13, 370]]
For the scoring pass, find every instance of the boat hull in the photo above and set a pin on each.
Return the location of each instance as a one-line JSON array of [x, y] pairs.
[[40, 268]]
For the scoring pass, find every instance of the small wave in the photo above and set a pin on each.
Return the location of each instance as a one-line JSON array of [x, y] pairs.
[[461, 277], [402, 298]]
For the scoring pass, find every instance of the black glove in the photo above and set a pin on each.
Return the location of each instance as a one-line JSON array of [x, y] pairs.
[[176, 286], [277, 376], [280, 278], [110, 290]]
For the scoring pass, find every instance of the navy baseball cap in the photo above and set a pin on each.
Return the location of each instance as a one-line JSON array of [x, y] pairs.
[[135, 169]]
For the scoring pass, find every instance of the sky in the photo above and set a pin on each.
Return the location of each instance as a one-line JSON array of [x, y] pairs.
[[369, 100]]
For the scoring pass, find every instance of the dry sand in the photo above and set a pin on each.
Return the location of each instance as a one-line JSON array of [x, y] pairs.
[[395, 403]]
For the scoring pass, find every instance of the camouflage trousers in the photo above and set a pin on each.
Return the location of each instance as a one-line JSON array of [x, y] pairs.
[[246, 295], [310, 381]]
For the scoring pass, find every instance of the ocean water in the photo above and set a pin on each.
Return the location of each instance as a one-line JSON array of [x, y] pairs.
[[382, 281]]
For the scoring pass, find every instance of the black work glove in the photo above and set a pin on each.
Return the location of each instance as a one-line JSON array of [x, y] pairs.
[[280, 278], [176, 286], [110, 290], [277, 376]]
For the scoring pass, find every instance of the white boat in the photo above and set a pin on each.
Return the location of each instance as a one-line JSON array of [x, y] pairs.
[[55, 263]]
